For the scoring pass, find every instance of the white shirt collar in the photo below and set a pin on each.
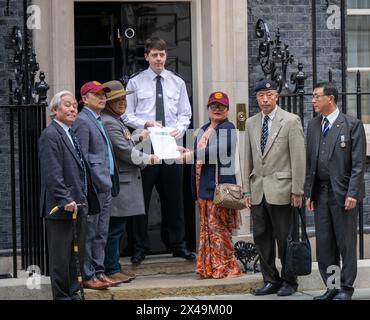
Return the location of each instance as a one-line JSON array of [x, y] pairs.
[[154, 75], [271, 115], [333, 116], [63, 125]]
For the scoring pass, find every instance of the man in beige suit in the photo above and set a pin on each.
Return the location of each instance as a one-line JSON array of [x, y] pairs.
[[275, 172]]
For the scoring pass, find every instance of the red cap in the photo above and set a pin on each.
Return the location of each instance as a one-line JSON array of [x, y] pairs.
[[218, 97], [94, 87]]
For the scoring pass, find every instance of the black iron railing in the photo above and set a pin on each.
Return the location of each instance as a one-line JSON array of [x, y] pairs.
[[26, 123]]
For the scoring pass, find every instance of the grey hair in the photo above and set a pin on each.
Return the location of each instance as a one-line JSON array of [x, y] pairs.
[[55, 102]]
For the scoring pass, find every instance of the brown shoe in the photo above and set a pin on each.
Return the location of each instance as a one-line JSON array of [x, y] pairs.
[[121, 276], [95, 284], [129, 274], [108, 280]]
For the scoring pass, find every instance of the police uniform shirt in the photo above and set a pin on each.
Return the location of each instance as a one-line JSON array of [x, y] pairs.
[[141, 105]]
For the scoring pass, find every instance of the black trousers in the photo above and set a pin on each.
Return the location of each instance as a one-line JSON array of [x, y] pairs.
[[271, 224], [62, 266], [168, 180], [336, 236]]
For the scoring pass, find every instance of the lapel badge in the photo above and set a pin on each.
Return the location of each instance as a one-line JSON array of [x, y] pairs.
[[342, 143]]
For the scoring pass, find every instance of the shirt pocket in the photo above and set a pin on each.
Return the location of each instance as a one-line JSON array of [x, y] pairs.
[[142, 95], [173, 100]]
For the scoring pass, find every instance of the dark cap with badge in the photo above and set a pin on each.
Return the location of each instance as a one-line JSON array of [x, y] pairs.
[[265, 84]]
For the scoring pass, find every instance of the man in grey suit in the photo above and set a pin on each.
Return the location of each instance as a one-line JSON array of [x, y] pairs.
[[97, 149], [336, 159], [64, 184], [130, 161], [275, 164]]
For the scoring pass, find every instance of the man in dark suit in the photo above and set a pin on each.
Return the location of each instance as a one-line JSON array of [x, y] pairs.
[[336, 159], [64, 183], [97, 149]]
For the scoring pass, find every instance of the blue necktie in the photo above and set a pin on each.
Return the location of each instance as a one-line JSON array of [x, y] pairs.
[[110, 154], [79, 153], [264, 133], [326, 128]]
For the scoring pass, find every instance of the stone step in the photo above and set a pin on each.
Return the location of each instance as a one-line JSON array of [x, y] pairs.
[[158, 264], [183, 284]]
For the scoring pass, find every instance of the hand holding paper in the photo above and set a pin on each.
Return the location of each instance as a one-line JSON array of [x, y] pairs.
[[164, 144]]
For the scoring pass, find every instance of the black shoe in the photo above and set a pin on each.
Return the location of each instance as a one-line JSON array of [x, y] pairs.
[[184, 253], [138, 257], [343, 295], [286, 290], [269, 288], [328, 295]]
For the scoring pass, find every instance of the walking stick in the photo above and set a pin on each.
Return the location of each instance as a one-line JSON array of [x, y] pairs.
[[75, 246]]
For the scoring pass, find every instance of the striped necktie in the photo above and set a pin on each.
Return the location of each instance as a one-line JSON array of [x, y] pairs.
[[326, 128], [264, 133]]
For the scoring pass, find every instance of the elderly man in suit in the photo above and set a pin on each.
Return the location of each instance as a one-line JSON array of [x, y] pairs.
[[336, 160], [98, 151], [275, 171], [130, 161], [64, 183]]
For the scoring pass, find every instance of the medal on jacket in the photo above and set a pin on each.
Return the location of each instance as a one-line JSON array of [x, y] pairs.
[[127, 134], [342, 143]]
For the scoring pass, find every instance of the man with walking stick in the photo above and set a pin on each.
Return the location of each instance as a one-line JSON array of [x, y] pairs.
[[65, 183]]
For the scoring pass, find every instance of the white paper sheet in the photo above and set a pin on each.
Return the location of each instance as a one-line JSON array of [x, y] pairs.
[[164, 145]]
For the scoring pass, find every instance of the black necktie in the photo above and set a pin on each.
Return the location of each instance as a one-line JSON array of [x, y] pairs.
[[159, 107], [79, 153], [264, 133]]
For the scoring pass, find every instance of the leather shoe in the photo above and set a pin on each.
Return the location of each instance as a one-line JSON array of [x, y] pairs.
[[286, 290], [184, 253], [138, 257], [95, 283], [328, 295], [343, 295], [120, 276], [269, 288], [129, 274], [111, 282]]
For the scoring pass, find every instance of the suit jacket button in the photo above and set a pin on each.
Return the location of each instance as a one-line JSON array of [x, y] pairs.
[[139, 177]]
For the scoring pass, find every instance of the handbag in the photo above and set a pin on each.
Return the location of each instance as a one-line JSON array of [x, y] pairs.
[[228, 195], [298, 260]]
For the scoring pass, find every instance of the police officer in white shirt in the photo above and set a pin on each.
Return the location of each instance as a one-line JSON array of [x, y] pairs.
[[160, 99]]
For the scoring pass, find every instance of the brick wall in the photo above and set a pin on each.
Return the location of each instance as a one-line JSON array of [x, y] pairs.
[[8, 19]]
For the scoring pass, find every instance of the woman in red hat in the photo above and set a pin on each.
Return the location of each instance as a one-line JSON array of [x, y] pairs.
[[216, 142]]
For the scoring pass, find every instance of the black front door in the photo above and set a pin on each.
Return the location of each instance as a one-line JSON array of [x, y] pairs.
[[109, 39]]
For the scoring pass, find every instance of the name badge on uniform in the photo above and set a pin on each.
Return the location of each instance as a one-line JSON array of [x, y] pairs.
[[342, 143]]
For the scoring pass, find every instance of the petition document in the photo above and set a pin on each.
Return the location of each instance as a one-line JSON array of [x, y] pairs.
[[164, 144]]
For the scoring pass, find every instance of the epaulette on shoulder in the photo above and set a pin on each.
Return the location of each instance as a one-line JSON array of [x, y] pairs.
[[135, 74], [177, 74]]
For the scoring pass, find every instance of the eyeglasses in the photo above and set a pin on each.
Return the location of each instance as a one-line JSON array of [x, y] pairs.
[[215, 107], [317, 96]]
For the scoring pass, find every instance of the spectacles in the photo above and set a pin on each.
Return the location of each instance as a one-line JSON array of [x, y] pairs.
[[120, 99], [317, 96], [215, 107]]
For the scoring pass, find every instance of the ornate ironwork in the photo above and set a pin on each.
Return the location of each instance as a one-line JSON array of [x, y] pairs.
[[298, 78], [246, 253], [26, 91], [273, 55]]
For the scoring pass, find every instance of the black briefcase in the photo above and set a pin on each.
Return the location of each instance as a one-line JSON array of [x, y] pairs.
[[298, 261]]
